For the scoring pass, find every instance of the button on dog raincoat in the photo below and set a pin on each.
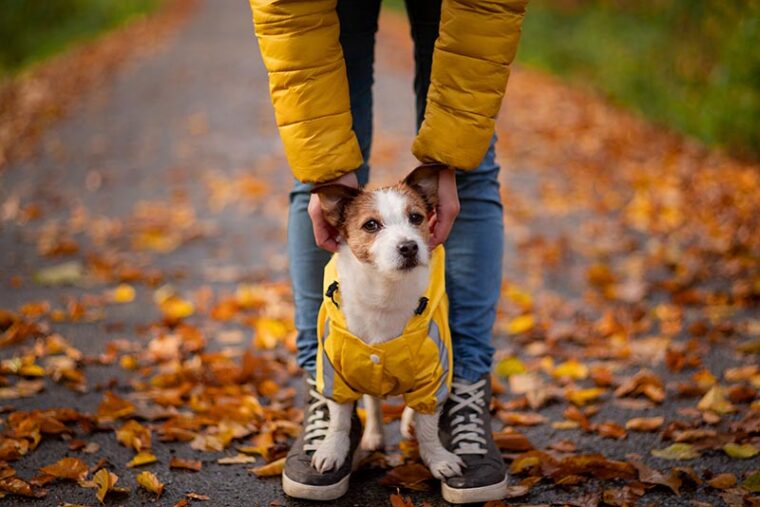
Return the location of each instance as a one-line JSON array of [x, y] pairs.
[[416, 364], [300, 46]]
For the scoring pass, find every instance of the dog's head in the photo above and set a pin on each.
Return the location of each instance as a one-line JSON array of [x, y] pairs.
[[387, 227]]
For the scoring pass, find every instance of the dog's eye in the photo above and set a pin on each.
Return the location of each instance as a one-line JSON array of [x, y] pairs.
[[371, 226], [416, 218]]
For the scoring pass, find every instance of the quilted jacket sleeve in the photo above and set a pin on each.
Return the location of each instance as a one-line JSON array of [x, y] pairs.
[[299, 43], [471, 62]]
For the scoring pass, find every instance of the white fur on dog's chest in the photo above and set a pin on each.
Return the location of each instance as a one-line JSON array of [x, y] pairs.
[[376, 308]]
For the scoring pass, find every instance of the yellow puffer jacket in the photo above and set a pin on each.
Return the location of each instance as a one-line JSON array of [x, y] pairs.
[[299, 42], [415, 364]]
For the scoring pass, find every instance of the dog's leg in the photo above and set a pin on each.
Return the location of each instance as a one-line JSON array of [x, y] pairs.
[[407, 423], [373, 438], [441, 462], [333, 450]]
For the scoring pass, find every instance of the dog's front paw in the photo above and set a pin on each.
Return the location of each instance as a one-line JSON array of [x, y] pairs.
[[445, 464], [331, 453]]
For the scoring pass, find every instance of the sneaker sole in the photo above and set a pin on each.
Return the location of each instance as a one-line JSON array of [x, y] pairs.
[[320, 493], [311, 492], [472, 495]]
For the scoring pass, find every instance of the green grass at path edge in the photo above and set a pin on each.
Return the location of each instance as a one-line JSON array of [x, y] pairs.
[[34, 30], [691, 65]]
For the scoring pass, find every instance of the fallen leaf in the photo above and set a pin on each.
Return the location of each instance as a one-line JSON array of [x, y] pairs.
[[512, 441], [113, 407], [521, 418], [521, 324], [142, 458], [677, 452], [149, 481], [398, 501], [752, 482], [645, 424], [270, 469], [744, 451], [571, 369], [67, 468], [185, 464], [413, 476], [510, 366], [135, 435], [238, 459], [17, 486], [67, 273], [123, 293], [651, 476], [723, 481], [715, 401], [581, 397], [105, 482]]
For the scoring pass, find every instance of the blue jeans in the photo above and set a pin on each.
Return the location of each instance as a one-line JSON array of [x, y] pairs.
[[475, 246]]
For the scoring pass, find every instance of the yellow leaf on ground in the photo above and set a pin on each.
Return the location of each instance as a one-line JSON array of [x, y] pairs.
[[104, 481], [269, 470], [743, 451], [521, 324], [123, 293], [510, 366], [572, 368], [715, 401], [582, 396], [677, 452], [135, 435], [149, 481], [142, 458]]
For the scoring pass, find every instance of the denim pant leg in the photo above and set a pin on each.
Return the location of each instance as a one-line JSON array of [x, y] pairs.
[[475, 246], [358, 21], [474, 252]]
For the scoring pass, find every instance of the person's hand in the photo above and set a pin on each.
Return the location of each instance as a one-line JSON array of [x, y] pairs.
[[326, 235], [447, 208]]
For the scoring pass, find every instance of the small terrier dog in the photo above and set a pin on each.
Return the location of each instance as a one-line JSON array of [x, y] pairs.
[[383, 326]]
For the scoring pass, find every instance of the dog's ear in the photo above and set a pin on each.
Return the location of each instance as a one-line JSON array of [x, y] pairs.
[[424, 181], [333, 198]]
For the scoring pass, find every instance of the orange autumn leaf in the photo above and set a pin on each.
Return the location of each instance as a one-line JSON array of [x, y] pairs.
[[269, 470], [104, 482], [185, 464], [399, 501], [644, 424], [67, 468], [113, 407], [135, 435]]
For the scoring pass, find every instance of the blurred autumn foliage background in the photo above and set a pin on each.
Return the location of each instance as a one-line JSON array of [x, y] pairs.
[[688, 64], [35, 30]]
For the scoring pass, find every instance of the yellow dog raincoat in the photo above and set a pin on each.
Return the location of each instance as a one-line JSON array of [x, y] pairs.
[[416, 364]]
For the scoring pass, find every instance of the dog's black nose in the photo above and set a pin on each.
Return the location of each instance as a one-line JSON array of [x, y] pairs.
[[408, 249]]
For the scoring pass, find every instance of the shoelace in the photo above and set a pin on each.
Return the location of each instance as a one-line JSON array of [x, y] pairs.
[[467, 429], [316, 420]]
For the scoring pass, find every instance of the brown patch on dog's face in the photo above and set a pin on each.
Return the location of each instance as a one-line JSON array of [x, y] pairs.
[[363, 221], [359, 212]]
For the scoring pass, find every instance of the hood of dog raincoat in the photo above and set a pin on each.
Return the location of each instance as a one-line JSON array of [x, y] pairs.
[[415, 364]]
